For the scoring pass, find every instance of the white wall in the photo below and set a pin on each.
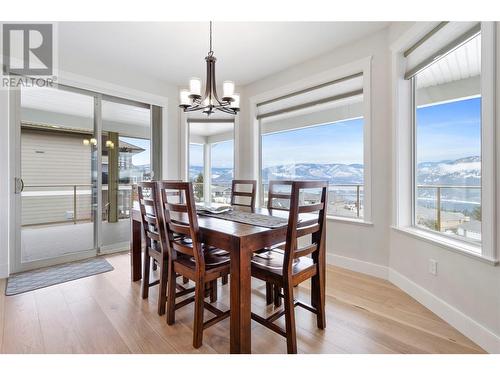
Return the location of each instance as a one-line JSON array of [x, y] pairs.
[[366, 243]]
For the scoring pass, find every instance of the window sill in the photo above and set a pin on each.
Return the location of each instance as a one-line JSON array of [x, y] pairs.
[[348, 220], [469, 250]]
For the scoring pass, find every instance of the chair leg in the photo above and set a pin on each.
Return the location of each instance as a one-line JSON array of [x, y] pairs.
[[269, 293], [277, 298], [199, 296], [185, 280], [162, 291], [318, 298], [171, 285], [291, 336], [145, 275], [225, 279], [213, 291]]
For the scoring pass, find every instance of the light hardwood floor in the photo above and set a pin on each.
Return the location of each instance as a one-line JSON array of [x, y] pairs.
[[105, 314]]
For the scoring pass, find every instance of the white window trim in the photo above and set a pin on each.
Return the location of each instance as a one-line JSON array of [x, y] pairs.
[[403, 146], [362, 65]]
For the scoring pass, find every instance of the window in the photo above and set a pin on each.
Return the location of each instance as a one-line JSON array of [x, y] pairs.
[[318, 134], [447, 144], [196, 169], [211, 160], [333, 152], [221, 171]]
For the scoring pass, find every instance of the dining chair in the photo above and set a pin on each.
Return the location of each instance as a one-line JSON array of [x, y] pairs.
[[297, 264], [246, 196], [153, 231], [190, 259]]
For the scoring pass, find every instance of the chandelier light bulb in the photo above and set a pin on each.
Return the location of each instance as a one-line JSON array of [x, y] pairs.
[[236, 101], [228, 89], [184, 97], [195, 86]]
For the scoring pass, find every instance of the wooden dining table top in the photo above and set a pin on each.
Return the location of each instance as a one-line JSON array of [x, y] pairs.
[[233, 228]]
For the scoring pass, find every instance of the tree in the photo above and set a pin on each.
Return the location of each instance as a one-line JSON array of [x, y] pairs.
[[476, 213], [198, 187]]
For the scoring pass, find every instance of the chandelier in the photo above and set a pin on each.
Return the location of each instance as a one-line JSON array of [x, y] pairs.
[[191, 100]]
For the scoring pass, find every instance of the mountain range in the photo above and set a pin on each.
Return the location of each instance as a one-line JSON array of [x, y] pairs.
[[446, 172]]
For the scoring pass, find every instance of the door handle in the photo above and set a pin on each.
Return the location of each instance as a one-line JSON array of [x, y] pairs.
[[18, 185]]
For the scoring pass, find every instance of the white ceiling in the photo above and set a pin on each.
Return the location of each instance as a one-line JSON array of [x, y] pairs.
[[205, 129], [464, 62], [174, 51], [74, 104]]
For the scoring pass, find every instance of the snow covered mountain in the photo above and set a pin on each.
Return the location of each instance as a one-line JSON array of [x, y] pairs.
[[446, 172], [464, 171], [334, 173]]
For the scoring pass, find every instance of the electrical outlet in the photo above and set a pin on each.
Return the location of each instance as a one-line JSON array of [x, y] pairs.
[[433, 265]]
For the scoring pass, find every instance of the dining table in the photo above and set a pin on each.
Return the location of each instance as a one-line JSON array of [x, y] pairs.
[[241, 240]]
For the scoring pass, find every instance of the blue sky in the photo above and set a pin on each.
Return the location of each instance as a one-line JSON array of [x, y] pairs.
[[445, 132], [222, 155], [144, 157], [340, 142], [195, 155], [449, 131]]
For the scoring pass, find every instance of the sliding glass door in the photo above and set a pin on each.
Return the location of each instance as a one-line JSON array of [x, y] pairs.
[[57, 170], [80, 152], [126, 160]]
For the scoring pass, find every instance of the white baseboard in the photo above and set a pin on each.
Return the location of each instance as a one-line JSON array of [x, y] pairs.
[[488, 340], [481, 335], [357, 265]]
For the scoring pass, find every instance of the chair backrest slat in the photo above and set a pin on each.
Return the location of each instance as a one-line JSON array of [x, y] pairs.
[[310, 208], [310, 229], [306, 250], [235, 193], [179, 228], [174, 207]]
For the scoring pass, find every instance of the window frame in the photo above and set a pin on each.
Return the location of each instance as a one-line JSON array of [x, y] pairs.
[[363, 65], [404, 142]]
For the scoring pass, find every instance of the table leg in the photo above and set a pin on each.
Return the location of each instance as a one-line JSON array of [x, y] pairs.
[[240, 287], [136, 251]]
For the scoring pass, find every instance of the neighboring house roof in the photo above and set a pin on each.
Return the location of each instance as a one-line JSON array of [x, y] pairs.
[[127, 147]]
